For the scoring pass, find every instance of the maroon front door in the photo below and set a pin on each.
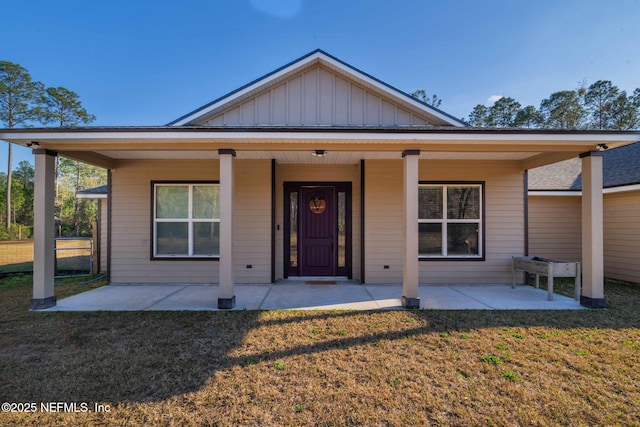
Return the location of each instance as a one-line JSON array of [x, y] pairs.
[[317, 238]]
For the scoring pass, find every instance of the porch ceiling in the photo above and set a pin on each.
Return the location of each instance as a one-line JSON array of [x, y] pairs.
[[305, 157]]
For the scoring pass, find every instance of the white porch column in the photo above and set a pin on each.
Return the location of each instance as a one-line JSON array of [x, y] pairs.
[[44, 230], [592, 239], [226, 297], [410, 295]]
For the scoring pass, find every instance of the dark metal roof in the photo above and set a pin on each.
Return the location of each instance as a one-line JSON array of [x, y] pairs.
[[302, 58], [621, 166]]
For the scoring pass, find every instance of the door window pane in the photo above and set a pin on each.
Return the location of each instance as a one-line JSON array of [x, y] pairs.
[[293, 230], [342, 236]]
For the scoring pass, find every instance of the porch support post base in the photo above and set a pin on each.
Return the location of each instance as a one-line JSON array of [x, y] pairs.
[[410, 303], [227, 303], [593, 302], [42, 303]]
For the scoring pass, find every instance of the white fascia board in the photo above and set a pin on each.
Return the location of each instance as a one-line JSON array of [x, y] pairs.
[[610, 190], [555, 193], [91, 196], [622, 189], [484, 138]]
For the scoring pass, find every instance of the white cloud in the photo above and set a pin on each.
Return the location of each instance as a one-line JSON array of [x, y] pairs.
[[493, 98]]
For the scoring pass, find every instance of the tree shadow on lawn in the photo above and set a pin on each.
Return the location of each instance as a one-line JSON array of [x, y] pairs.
[[153, 356]]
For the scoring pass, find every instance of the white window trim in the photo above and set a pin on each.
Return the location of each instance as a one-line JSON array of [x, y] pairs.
[[189, 220], [445, 221]]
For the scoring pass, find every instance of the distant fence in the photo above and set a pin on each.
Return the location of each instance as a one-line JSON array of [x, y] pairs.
[[16, 255], [74, 256]]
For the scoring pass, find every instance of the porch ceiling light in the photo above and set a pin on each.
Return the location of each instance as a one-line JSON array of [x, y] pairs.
[[319, 153]]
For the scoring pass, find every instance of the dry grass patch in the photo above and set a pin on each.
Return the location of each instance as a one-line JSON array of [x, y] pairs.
[[325, 367]]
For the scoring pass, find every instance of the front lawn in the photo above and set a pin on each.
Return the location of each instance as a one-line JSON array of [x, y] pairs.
[[322, 367]]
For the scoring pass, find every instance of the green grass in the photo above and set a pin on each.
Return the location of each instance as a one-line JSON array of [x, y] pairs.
[[322, 368]]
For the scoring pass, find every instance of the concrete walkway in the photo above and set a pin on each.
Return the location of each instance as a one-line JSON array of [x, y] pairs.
[[297, 295]]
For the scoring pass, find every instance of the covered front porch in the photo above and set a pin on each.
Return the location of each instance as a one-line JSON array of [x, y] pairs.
[[300, 295], [389, 169]]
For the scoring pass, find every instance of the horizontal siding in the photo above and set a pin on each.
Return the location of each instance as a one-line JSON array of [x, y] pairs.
[[622, 236], [252, 221], [131, 222], [383, 222], [555, 227], [504, 221], [555, 231]]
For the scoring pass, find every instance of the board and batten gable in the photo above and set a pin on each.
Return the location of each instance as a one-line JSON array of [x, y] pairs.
[[132, 217], [504, 221], [316, 96]]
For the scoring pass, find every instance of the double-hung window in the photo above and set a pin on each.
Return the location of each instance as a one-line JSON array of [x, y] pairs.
[[450, 220], [186, 220]]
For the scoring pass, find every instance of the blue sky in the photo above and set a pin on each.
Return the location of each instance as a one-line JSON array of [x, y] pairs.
[[142, 62]]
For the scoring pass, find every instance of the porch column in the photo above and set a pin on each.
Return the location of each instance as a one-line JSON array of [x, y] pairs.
[[592, 239], [226, 297], [44, 230], [410, 295]]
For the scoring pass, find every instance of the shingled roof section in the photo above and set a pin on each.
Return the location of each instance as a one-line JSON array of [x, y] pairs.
[[96, 191], [621, 167]]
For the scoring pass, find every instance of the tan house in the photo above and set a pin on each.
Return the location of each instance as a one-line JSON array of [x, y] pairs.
[[316, 170], [555, 212]]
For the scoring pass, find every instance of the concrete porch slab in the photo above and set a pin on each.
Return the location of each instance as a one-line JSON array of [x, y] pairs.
[[117, 297], [296, 295]]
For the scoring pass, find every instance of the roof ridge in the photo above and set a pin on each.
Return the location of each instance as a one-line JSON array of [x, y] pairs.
[[333, 58]]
